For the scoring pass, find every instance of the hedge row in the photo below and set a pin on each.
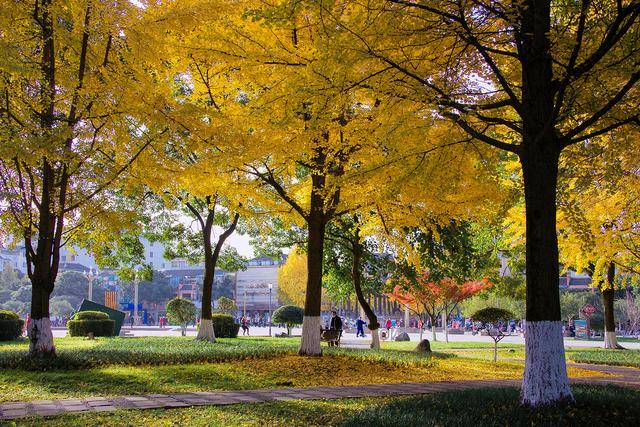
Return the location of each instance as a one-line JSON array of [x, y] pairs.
[[95, 322], [99, 328]]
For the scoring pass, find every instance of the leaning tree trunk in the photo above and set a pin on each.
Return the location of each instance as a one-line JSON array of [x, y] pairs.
[[356, 274], [545, 377], [311, 324], [608, 291]]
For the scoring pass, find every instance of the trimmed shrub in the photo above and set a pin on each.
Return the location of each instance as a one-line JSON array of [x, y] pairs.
[[90, 315], [290, 315], [95, 322], [10, 325], [225, 326]]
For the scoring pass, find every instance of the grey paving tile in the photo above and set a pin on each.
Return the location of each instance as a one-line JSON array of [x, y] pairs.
[[103, 408], [76, 408]]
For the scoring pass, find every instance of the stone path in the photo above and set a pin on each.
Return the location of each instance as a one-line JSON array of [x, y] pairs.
[[628, 377]]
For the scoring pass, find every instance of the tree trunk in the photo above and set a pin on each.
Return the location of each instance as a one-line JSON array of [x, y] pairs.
[[432, 319], [39, 327], [608, 291], [545, 378], [356, 274], [310, 343], [444, 325], [206, 332]]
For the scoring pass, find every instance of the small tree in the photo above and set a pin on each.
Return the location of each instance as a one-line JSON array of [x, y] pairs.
[[490, 317], [226, 305], [428, 299], [181, 311], [290, 315]]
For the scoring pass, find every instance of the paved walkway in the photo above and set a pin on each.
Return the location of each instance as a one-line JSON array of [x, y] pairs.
[[628, 377]]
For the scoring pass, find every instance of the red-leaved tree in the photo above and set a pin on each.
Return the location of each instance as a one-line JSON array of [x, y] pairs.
[[429, 299]]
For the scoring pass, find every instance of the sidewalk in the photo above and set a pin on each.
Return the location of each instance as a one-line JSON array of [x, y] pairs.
[[628, 377]]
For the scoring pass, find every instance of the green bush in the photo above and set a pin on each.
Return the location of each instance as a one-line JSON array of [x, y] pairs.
[[99, 327], [90, 315], [10, 325], [224, 326]]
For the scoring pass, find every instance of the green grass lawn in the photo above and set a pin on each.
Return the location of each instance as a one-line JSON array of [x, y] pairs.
[[595, 406], [117, 366], [442, 345], [605, 357], [120, 366], [81, 353]]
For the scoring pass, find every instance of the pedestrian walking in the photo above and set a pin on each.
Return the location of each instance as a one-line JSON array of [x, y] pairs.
[[360, 327], [245, 325]]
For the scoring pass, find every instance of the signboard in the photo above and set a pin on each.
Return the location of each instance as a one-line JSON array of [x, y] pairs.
[[116, 315], [582, 328]]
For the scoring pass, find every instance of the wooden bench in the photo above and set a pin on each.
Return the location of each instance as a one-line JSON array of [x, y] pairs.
[[331, 336]]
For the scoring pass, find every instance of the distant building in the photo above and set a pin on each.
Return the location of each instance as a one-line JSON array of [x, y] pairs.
[[252, 285]]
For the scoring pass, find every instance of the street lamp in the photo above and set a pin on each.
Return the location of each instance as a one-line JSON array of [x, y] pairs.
[[91, 277], [136, 282], [270, 320]]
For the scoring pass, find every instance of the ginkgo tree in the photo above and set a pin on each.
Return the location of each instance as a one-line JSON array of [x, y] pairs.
[[598, 218], [74, 110], [530, 78]]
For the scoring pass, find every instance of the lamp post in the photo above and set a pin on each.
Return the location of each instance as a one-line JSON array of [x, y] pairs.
[[244, 304], [136, 282], [270, 320], [90, 278]]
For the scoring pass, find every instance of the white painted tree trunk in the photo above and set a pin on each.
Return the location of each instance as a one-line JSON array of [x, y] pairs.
[[444, 326], [433, 333], [310, 342], [375, 339], [206, 332], [611, 341], [545, 374], [41, 338], [421, 330]]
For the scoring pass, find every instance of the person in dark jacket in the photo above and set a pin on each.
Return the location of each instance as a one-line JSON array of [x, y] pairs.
[[335, 325], [360, 327]]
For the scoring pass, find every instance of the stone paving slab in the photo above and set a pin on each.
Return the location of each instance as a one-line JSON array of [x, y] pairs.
[[628, 377]]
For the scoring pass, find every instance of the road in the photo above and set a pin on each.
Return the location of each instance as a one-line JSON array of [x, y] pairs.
[[146, 331]]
